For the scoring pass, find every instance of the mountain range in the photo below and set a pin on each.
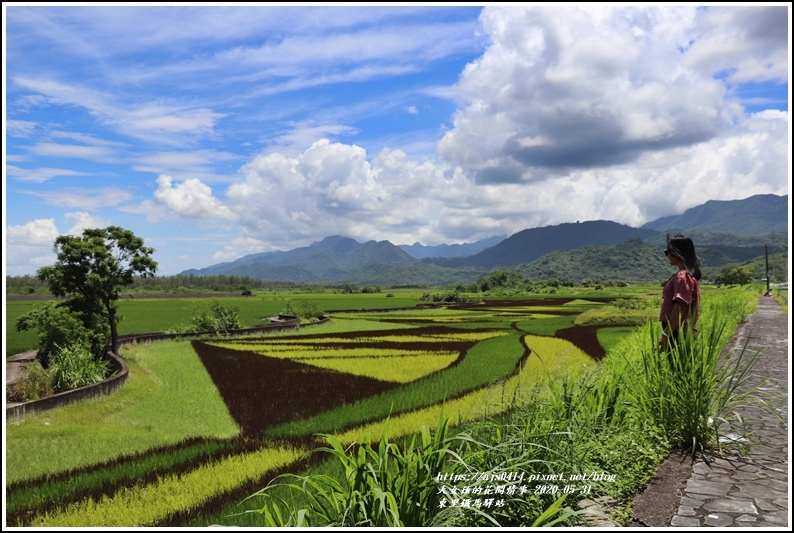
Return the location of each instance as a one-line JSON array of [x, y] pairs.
[[420, 251], [724, 232]]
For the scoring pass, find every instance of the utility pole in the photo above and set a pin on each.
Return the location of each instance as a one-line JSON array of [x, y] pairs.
[[766, 256]]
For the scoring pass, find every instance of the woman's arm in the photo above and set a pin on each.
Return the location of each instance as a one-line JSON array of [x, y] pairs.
[[678, 315]]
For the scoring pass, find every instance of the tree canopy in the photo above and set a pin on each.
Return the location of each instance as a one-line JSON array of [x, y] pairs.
[[92, 269], [735, 275]]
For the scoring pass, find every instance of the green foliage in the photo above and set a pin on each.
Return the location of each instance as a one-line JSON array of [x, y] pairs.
[[633, 260], [310, 310], [91, 270], [59, 326], [173, 314], [383, 485], [778, 266], [70, 367], [636, 303], [370, 290], [36, 384], [577, 428], [735, 275], [584, 423], [447, 297], [623, 311], [73, 366], [177, 284], [781, 296], [217, 319], [502, 279], [26, 284], [636, 260], [690, 390]]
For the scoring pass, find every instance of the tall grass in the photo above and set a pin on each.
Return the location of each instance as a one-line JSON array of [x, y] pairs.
[[391, 485], [692, 389], [425, 482], [74, 366], [570, 439], [383, 484]]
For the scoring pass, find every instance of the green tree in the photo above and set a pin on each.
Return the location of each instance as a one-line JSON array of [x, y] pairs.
[[735, 275], [92, 269], [60, 327], [217, 319], [310, 310]]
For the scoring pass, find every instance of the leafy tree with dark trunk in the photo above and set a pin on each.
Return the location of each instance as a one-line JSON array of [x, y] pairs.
[[61, 326], [735, 275], [92, 269]]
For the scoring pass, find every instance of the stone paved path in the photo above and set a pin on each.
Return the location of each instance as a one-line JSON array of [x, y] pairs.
[[751, 490]]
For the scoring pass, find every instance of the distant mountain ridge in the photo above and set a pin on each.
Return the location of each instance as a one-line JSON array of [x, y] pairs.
[[331, 258], [531, 244], [754, 216], [337, 259], [420, 251]]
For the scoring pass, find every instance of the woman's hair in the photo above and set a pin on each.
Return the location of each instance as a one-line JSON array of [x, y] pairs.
[[684, 248]]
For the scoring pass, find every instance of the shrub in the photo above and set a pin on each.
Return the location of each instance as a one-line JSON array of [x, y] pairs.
[[217, 319], [73, 367], [310, 310], [60, 326], [36, 384], [70, 368], [636, 303]]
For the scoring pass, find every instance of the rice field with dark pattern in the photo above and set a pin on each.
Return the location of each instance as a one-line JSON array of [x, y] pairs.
[[263, 393]]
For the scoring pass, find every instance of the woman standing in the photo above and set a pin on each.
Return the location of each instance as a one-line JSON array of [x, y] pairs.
[[681, 294]]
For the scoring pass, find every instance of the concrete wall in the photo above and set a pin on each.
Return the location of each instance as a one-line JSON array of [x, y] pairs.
[[119, 374]]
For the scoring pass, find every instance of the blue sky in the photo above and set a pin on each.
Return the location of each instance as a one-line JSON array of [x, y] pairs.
[[217, 131]]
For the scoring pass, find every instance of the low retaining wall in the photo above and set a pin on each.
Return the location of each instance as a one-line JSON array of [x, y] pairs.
[[281, 325], [120, 372], [118, 377]]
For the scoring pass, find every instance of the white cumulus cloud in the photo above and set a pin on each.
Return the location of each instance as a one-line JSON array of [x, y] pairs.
[[81, 221], [29, 246], [189, 199], [333, 188]]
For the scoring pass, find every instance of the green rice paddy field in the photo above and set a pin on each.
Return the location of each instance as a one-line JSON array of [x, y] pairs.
[[142, 314], [201, 424]]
